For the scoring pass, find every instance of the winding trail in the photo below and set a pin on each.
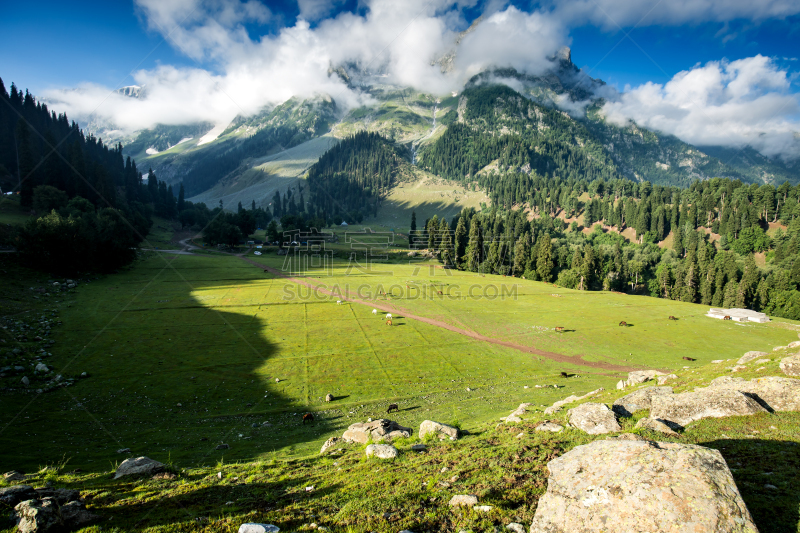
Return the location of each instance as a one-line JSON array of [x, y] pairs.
[[561, 358]]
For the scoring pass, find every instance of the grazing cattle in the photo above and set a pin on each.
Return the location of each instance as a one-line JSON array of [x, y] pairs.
[[564, 375], [338, 302], [672, 317], [726, 317], [388, 316], [559, 328], [308, 417], [392, 407], [690, 358], [265, 271], [389, 322], [623, 324], [440, 292], [374, 311]]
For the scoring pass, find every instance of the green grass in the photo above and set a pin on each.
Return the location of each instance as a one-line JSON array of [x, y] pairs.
[[504, 465], [212, 333], [11, 212]]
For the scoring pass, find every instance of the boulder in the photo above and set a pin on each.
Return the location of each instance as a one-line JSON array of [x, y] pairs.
[[638, 400], [793, 344], [615, 485], [61, 496], [25, 381], [41, 367], [641, 376], [549, 426], [329, 397], [41, 516], [681, 409], [517, 413], [258, 528], [378, 431], [515, 527], [773, 393], [791, 365], [463, 500], [663, 379], [11, 496], [557, 406], [440, 431], [656, 425], [138, 466], [381, 451], [330, 443], [750, 356], [593, 418]]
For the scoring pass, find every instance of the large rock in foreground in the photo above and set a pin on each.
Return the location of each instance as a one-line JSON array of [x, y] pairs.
[[791, 365], [773, 393], [440, 431], [138, 466], [594, 419], [618, 485], [681, 409], [639, 400], [378, 431], [41, 516]]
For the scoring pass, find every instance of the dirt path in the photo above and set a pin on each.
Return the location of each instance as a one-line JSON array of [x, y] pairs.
[[561, 358]]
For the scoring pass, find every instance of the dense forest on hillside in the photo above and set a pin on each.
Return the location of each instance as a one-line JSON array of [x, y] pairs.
[[348, 180], [716, 227], [91, 204]]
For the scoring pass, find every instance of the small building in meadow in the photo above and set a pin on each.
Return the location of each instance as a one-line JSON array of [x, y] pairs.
[[738, 315]]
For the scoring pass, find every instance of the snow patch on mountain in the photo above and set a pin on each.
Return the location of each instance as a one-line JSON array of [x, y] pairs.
[[212, 135]]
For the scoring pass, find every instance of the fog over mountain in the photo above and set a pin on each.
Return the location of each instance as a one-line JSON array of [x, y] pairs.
[[425, 45]]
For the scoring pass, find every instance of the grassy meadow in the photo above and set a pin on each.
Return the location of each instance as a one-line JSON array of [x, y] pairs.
[[186, 352]]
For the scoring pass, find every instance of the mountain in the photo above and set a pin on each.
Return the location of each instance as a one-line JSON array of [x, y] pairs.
[[559, 113]]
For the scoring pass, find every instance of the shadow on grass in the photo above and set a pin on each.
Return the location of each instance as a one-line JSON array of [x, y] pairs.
[[171, 382], [766, 473], [199, 507]]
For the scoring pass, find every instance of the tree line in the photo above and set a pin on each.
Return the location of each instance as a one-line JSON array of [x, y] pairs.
[[92, 208]]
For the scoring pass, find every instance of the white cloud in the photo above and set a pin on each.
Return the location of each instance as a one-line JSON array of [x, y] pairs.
[[742, 102], [399, 38], [737, 103]]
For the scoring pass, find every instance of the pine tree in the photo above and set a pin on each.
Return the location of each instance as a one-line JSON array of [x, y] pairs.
[[707, 286], [746, 295], [447, 248], [521, 254], [677, 242], [432, 229], [412, 234], [474, 252], [690, 283], [544, 259], [587, 267], [181, 200], [729, 299], [461, 241]]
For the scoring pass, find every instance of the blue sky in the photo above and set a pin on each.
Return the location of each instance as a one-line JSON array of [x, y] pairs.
[[64, 44], [209, 60]]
